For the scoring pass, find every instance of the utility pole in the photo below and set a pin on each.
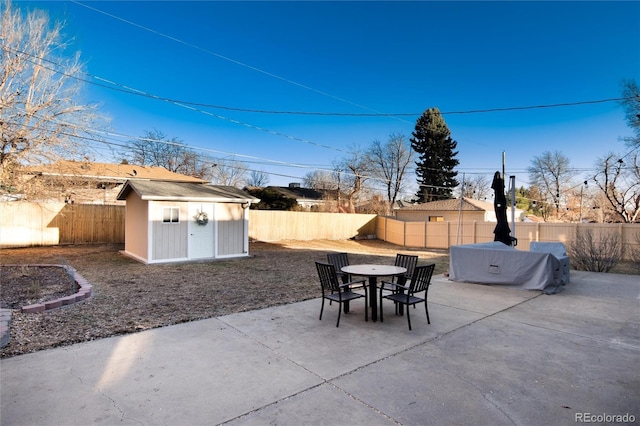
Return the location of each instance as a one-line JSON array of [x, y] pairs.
[[581, 189]]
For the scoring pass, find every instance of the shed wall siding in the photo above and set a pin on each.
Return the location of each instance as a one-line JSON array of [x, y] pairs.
[[231, 229], [137, 227], [169, 240]]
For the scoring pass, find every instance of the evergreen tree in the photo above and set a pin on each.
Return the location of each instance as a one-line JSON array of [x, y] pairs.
[[432, 141], [270, 199]]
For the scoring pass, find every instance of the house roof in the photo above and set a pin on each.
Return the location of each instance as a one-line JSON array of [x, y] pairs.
[[399, 204], [109, 171], [452, 204], [298, 193], [484, 205], [184, 191]]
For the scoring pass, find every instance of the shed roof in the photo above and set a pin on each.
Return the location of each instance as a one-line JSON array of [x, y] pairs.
[[183, 191]]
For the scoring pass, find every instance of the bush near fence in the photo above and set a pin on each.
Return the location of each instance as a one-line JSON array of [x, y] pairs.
[[41, 224]]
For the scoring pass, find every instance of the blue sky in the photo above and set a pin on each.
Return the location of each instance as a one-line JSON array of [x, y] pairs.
[[362, 57]]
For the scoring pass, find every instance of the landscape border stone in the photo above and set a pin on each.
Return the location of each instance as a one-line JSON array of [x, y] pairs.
[[84, 292]]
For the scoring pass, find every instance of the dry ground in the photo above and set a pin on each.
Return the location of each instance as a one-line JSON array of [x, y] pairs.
[[130, 296]]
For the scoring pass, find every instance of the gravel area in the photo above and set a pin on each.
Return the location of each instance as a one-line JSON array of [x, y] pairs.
[[129, 296]]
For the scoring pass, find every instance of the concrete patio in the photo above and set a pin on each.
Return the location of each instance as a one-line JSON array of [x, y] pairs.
[[492, 355]]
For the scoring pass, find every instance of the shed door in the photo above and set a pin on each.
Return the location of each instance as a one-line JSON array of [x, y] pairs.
[[201, 241]]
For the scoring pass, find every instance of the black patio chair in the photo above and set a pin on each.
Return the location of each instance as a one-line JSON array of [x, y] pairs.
[[336, 292], [339, 260], [406, 261], [406, 295]]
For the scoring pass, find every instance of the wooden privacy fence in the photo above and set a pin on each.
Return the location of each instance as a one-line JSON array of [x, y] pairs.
[[274, 225], [41, 224], [442, 235]]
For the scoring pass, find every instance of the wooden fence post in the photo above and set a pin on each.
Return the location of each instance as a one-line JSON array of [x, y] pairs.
[[426, 231]]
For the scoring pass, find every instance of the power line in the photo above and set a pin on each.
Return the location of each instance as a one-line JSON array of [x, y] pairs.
[[374, 113], [119, 87], [183, 145], [262, 160], [188, 106], [265, 161], [565, 104], [247, 169], [226, 58]]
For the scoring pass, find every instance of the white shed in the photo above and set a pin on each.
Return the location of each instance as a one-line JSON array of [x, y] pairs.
[[176, 221]]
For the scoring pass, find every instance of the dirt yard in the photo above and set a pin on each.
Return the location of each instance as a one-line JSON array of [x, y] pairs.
[[130, 296]]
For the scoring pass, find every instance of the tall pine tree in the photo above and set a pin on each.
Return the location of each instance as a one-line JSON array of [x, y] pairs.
[[431, 140]]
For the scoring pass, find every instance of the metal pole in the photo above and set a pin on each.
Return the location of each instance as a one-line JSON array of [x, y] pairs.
[[512, 182], [580, 221]]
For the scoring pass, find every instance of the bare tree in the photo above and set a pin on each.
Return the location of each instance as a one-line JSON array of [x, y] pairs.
[[154, 148], [257, 178], [476, 187], [352, 173], [551, 172], [619, 181], [42, 118], [597, 208], [320, 179], [229, 173], [389, 162]]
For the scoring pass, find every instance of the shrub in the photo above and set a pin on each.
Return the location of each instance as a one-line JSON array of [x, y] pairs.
[[595, 254]]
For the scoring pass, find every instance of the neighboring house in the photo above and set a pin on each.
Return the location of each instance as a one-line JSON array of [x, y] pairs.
[[400, 204], [465, 209], [309, 199], [86, 182], [178, 221]]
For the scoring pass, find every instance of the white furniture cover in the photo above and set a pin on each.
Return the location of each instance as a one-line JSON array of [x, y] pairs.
[[559, 251], [497, 263]]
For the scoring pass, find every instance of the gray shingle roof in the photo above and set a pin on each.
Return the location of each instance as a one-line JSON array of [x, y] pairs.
[[181, 191]]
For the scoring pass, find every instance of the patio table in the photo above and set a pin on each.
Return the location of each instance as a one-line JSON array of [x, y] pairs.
[[372, 272]]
